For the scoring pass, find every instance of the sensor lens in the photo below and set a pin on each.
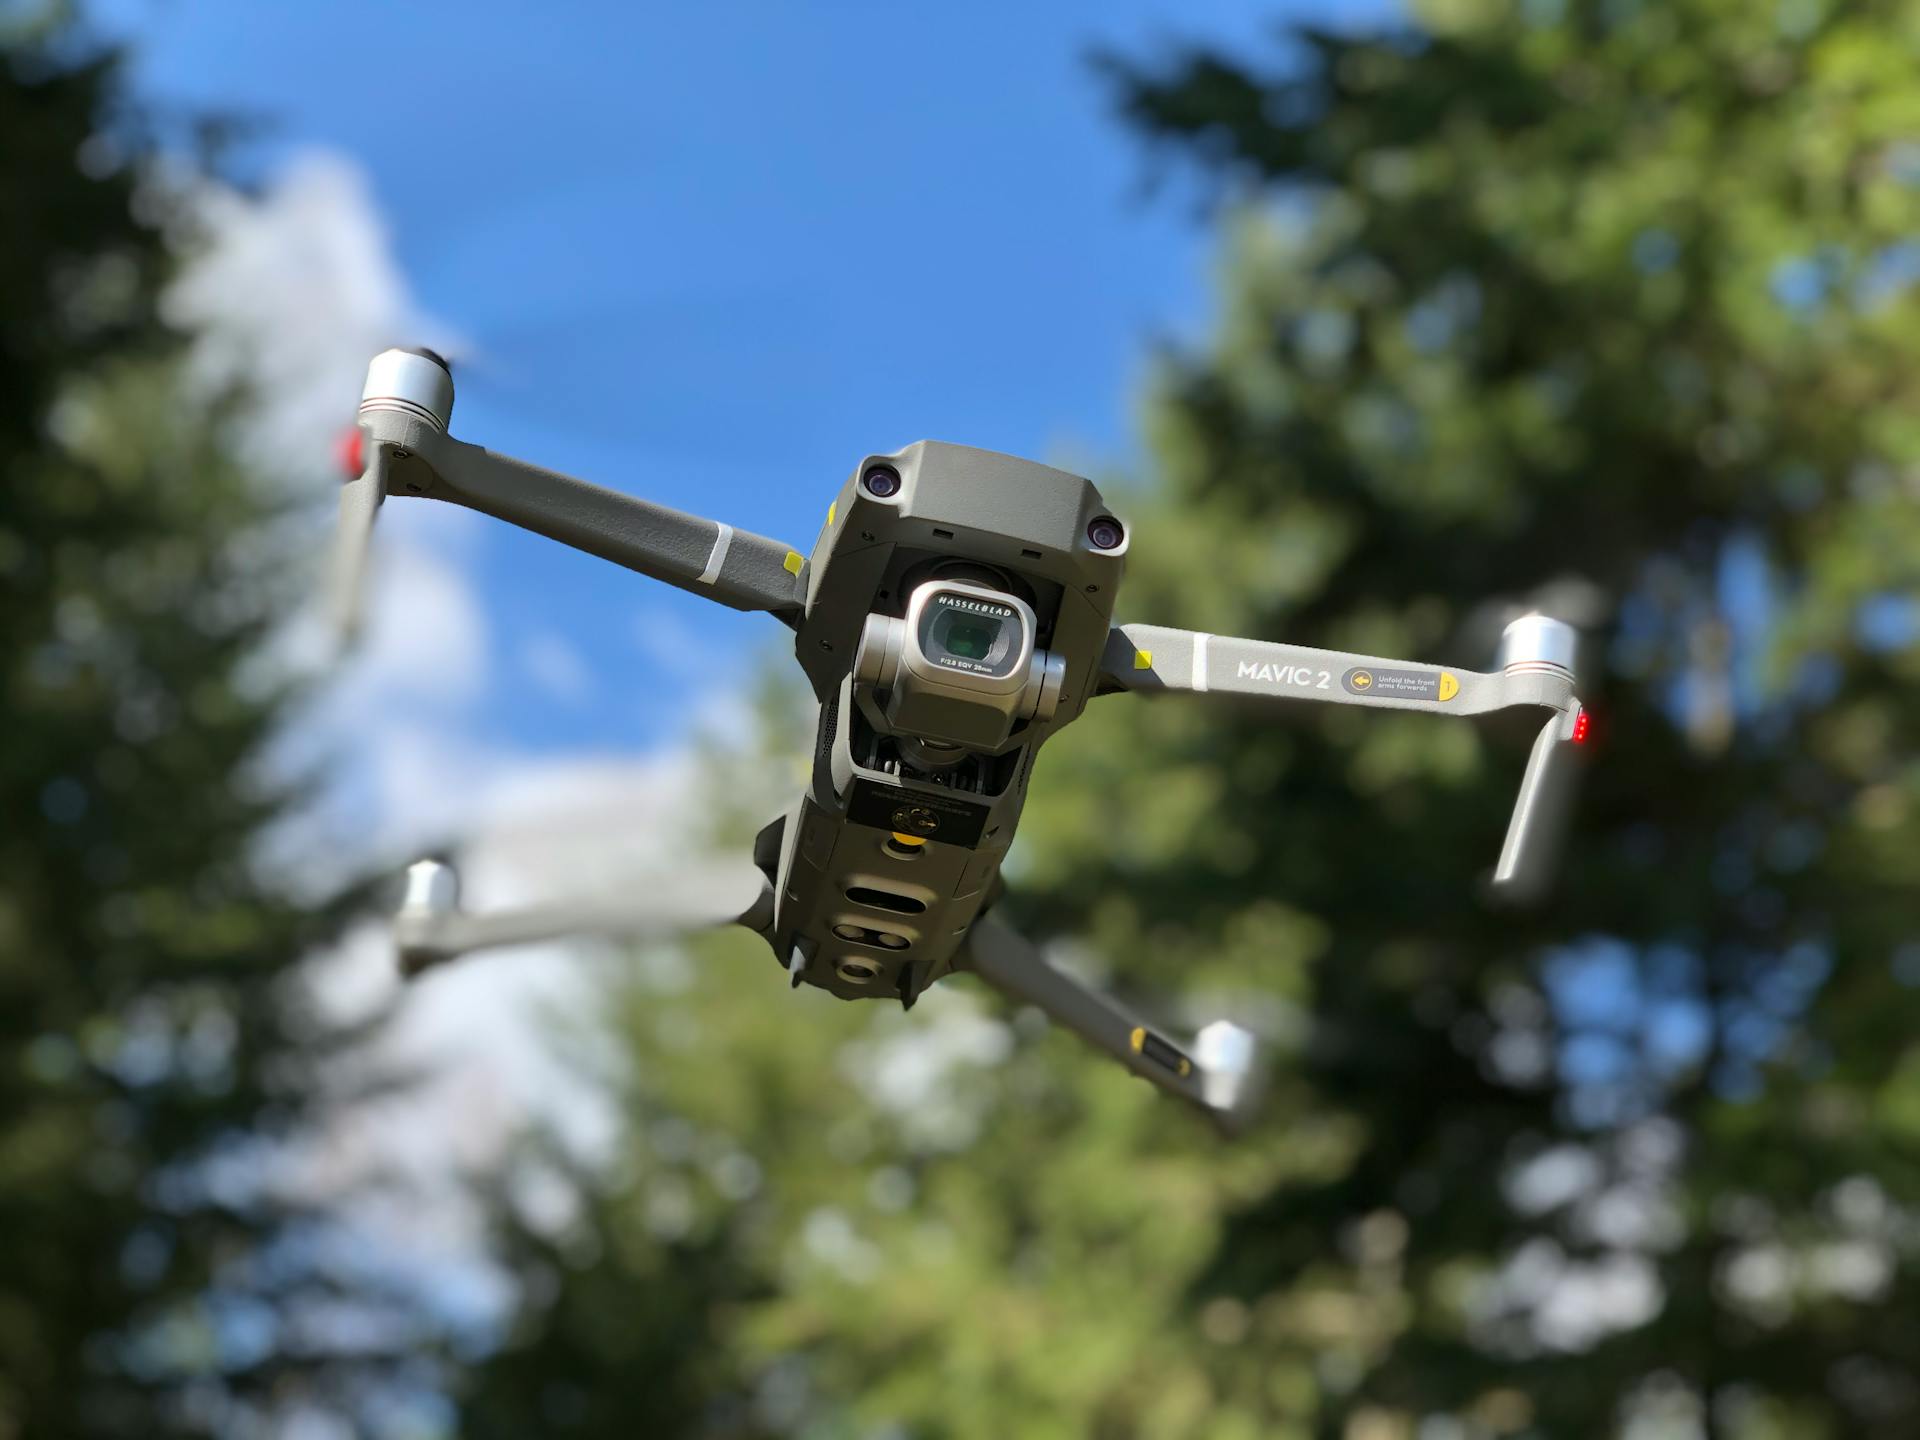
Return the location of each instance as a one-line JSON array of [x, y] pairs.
[[969, 634], [1105, 533], [882, 481], [971, 639]]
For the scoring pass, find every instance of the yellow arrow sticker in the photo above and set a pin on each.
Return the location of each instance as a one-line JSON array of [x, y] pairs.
[[793, 562], [1143, 659], [1449, 685]]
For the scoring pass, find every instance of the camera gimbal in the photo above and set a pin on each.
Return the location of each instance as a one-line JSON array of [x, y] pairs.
[[955, 611]]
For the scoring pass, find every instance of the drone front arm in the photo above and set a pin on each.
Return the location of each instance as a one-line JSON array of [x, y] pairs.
[[1155, 657], [1536, 669], [1218, 1075], [735, 567], [406, 449]]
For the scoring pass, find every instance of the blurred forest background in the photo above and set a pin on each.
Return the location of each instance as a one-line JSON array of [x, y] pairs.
[[1600, 306]]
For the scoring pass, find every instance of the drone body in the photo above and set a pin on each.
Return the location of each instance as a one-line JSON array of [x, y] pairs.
[[955, 611], [924, 752]]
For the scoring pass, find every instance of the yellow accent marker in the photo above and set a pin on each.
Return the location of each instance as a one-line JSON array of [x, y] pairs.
[[1449, 685], [830, 511], [911, 841], [1143, 659], [1138, 1041], [793, 562]]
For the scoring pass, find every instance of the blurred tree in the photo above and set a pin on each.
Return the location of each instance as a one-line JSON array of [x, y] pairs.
[[148, 1057], [1563, 300], [628, 1320], [1605, 307]]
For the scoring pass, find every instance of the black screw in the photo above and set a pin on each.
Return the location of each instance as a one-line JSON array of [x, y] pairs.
[[882, 482]]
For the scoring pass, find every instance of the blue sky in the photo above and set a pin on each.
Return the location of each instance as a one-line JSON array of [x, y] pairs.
[[712, 254]]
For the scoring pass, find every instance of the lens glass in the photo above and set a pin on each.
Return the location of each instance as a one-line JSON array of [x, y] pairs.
[[971, 638], [971, 634]]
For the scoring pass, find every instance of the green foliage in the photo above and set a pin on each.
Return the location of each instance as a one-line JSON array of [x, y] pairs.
[[1602, 306], [145, 1047]]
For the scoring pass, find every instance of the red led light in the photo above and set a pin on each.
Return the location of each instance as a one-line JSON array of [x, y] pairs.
[[349, 454], [1582, 727]]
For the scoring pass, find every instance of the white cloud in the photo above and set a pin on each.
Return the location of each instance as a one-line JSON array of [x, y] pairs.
[[480, 1033], [392, 724], [556, 669], [428, 641], [668, 643], [292, 291]]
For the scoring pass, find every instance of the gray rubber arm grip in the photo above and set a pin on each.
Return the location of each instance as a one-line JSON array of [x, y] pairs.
[[1013, 965], [430, 928], [735, 567]]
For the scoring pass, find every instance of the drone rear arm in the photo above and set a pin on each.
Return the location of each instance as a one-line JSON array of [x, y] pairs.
[[1218, 1076], [404, 412], [432, 928], [1536, 669]]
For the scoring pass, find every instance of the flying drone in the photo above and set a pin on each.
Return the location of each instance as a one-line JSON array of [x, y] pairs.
[[956, 611]]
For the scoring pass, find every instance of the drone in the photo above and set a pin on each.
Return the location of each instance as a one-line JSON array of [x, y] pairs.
[[955, 611]]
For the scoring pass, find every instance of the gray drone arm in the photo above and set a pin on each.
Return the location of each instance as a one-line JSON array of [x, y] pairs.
[[1219, 1075], [1536, 655], [430, 927], [404, 412]]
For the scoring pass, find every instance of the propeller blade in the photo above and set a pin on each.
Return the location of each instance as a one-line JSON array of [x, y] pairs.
[[1530, 856], [360, 499]]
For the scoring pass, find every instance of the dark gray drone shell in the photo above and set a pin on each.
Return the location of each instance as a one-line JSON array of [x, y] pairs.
[[958, 513]]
